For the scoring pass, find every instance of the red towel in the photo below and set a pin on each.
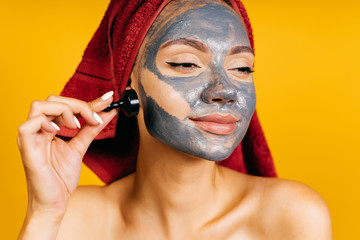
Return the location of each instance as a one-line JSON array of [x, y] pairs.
[[113, 154]]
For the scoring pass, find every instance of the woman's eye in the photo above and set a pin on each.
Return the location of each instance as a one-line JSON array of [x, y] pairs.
[[183, 65], [243, 69]]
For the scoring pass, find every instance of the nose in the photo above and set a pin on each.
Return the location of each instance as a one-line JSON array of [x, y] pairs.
[[219, 90]]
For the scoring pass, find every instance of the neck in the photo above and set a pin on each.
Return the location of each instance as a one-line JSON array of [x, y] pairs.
[[175, 185]]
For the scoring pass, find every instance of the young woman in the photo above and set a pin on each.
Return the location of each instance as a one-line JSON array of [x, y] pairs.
[[193, 75]]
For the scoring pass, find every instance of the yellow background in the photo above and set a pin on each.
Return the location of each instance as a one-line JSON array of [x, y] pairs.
[[306, 74]]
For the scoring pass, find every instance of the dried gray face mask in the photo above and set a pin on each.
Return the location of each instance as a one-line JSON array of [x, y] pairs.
[[210, 94]]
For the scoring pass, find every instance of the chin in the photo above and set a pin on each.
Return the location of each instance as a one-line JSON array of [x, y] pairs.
[[214, 150], [215, 153]]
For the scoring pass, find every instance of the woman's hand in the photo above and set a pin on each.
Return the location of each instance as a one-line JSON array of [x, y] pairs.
[[52, 166]]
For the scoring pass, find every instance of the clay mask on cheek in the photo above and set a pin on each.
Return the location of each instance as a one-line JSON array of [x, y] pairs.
[[204, 114]]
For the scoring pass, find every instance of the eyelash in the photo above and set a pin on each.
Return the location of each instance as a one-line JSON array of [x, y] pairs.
[[243, 69], [184, 65], [187, 65]]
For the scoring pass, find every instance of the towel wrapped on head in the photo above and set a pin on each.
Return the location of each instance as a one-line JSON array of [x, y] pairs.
[[107, 64]]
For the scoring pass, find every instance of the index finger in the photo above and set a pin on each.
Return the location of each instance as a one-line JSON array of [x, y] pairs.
[[84, 109]]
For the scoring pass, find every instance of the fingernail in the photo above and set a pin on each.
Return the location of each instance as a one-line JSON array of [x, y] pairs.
[[55, 126], [107, 95], [77, 122], [98, 118]]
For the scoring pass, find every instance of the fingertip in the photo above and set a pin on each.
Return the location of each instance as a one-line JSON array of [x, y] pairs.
[[77, 122], [55, 126], [107, 95], [102, 102], [107, 116], [98, 118], [50, 127]]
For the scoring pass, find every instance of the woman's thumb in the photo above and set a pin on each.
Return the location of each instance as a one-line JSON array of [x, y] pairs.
[[87, 133]]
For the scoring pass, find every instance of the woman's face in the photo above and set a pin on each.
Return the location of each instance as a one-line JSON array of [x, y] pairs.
[[194, 78]]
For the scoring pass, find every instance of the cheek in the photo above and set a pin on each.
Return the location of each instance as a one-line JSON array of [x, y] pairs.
[[164, 95]]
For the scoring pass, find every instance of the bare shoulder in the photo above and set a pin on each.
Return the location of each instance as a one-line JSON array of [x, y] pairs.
[[85, 204], [92, 210], [293, 210]]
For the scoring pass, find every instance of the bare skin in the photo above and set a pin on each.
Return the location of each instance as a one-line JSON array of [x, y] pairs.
[[254, 208], [173, 194]]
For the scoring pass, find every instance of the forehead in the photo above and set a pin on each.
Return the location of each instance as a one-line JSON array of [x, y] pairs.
[[209, 21]]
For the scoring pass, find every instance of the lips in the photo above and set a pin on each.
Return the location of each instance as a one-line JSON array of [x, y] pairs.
[[216, 123]]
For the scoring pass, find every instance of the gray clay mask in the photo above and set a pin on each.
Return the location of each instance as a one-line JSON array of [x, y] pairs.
[[194, 98]]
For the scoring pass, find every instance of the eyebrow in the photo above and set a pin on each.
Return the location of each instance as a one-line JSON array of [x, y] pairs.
[[241, 49], [189, 42]]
